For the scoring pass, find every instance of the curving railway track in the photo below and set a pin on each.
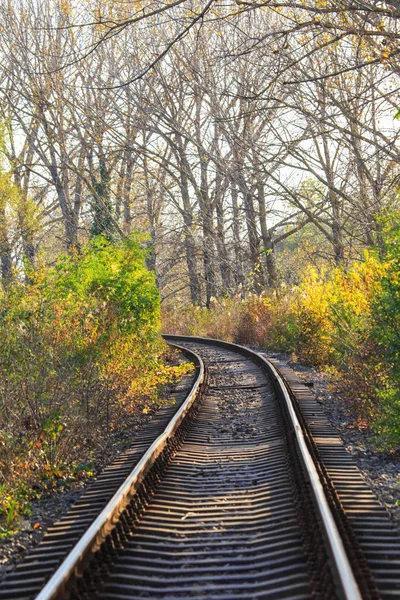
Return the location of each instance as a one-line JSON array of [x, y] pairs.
[[242, 491]]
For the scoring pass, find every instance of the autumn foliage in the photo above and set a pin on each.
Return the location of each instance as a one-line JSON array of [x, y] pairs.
[[79, 346], [342, 321]]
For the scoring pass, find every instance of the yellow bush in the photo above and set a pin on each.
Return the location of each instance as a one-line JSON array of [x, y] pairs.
[[334, 319]]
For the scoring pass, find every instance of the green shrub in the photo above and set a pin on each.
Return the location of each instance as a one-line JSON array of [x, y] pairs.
[[78, 347], [386, 334]]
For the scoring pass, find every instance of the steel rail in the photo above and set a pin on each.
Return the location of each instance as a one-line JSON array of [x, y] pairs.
[[345, 580], [104, 523]]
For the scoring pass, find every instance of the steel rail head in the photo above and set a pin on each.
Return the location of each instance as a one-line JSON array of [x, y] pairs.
[[347, 586], [107, 519], [345, 578]]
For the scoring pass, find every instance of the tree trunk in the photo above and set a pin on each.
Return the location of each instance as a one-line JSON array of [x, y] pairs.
[[223, 258], [70, 223], [208, 239], [5, 248], [266, 238], [337, 232], [127, 192], [254, 246], [151, 257], [238, 272], [190, 246]]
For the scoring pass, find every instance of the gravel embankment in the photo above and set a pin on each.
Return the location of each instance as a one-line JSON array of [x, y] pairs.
[[380, 470]]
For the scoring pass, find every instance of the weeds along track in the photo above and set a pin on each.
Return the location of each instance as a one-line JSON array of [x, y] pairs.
[[245, 492]]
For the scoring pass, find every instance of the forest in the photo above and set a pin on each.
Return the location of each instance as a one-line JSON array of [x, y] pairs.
[[224, 168]]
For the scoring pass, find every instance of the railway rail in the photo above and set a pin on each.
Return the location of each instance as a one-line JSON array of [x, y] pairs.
[[241, 491]]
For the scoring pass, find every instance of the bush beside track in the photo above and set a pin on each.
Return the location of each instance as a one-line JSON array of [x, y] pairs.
[[80, 345], [342, 321]]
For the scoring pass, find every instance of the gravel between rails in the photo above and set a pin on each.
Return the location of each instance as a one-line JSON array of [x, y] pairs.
[[223, 521]]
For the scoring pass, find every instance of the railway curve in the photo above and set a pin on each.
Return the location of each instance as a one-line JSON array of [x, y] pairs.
[[247, 493]]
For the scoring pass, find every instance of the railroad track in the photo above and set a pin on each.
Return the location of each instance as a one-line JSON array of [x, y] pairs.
[[246, 493]]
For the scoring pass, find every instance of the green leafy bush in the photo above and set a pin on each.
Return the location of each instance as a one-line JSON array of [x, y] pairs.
[[78, 347], [386, 334]]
